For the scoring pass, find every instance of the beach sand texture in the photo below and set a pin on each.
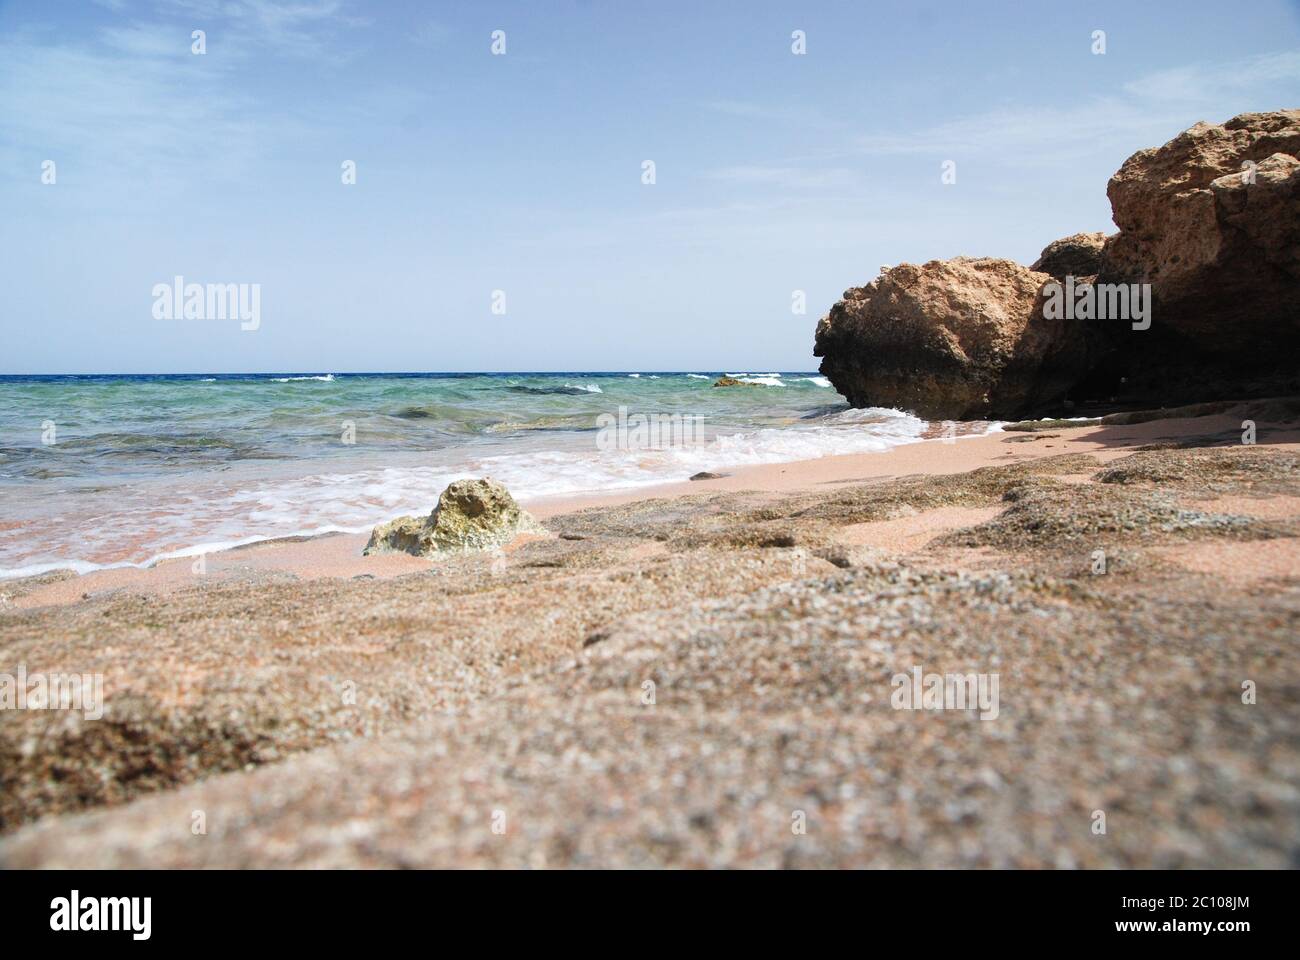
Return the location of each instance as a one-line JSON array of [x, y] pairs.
[[681, 676]]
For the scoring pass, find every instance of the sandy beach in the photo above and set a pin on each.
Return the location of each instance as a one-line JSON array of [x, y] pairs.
[[340, 555], [601, 438], [668, 677]]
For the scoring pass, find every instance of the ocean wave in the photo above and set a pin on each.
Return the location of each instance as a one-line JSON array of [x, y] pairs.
[[767, 379], [867, 415], [182, 467], [379, 495], [183, 519], [566, 424], [569, 389], [195, 550]]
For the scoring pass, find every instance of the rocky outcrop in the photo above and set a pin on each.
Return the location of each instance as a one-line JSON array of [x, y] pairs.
[[1219, 205], [470, 515], [955, 339], [734, 382], [1210, 221], [1078, 255]]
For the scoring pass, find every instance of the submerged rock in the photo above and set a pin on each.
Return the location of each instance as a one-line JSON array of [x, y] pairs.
[[733, 382], [470, 515]]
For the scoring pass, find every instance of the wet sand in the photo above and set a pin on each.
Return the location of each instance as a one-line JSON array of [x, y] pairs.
[[340, 555]]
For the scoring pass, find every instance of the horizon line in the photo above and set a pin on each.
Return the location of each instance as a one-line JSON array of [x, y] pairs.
[[382, 373]]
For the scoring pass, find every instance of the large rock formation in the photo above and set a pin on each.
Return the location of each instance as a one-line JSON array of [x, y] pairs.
[[951, 339], [470, 515], [1210, 220]]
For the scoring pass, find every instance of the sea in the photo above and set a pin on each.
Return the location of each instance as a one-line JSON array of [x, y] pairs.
[[101, 471]]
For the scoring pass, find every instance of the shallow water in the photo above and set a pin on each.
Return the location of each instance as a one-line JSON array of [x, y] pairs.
[[98, 471]]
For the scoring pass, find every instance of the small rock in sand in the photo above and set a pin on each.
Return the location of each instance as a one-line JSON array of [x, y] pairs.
[[470, 515]]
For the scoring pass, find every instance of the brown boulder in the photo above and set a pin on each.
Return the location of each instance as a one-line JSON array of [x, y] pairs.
[[1212, 221], [951, 339], [1078, 255]]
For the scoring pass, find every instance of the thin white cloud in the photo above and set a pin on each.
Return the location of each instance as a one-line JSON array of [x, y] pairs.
[[1144, 112], [307, 28], [1206, 84], [1148, 109], [121, 114], [130, 105]]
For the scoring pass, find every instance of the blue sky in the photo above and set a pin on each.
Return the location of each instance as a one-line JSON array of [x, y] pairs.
[[523, 172]]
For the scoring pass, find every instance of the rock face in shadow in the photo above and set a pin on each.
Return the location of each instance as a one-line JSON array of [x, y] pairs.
[[958, 339], [470, 515], [1210, 221], [1078, 255]]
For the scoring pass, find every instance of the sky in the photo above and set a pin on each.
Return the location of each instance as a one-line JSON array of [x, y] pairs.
[[523, 172]]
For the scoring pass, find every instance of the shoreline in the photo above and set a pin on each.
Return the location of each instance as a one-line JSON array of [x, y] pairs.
[[298, 692], [338, 554], [620, 493]]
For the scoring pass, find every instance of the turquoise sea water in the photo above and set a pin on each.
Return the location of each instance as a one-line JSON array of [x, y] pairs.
[[111, 470]]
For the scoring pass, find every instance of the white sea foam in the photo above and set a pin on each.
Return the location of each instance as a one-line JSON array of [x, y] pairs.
[[222, 511], [356, 500], [767, 379], [328, 378]]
